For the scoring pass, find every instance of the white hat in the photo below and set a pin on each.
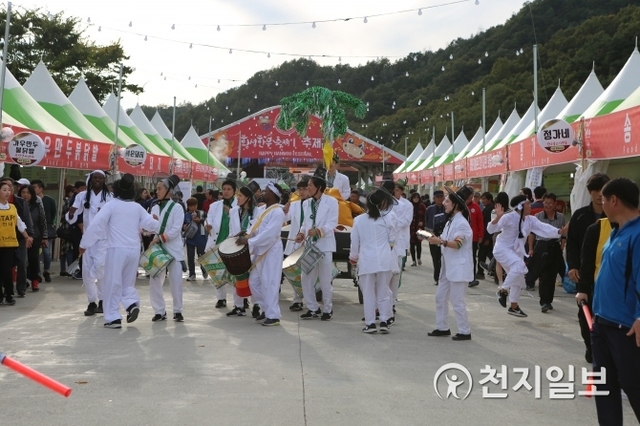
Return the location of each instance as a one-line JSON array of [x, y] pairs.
[[24, 181]]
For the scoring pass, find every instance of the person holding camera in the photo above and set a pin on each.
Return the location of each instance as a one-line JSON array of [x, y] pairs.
[[195, 236]]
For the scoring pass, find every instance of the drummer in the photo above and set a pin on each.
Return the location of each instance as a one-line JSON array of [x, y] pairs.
[[169, 236], [295, 214], [266, 247], [320, 220], [240, 218], [218, 226]]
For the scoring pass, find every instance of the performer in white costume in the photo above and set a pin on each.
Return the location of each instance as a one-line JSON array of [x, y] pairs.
[[372, 242], [295, 215], [88, 203], [218, 225], [337, 180], [170, 215], [320, 220], [241, 217], [456, 241], [266, 248], [118, 223], [404, 214], [514, 228]]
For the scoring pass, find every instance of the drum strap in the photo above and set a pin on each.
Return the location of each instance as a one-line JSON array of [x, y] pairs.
[[169, 207], [262, 216]]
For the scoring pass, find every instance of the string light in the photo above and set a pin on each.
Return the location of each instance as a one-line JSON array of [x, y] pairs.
[[307, 82], [218, 28], [264, 28], [173, 27], [268, 55], [89, 20], [419, 11], [276, 83], [339, 81], [479, 61], [313, 25], [230, 51], [130, 24], [486, 54], [451, 56], [372, 78], [191, 46], [255, 96], [99, 29], [145, 38], [442, 68], [365, 20], [406, 74]]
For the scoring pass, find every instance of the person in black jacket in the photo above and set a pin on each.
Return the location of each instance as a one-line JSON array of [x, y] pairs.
[[485, 249], [582, 219], [50, 211], [40, 235]]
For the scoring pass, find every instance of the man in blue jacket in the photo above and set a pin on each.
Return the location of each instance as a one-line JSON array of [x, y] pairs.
[[615, 339]]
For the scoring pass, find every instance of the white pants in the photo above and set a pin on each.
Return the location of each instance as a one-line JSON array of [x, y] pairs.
[[394, 282], [175, 282], [93, 270], [119, 281], [221, 293], [514, 283], [376, 294], [323, 270], [264, 281], [455, 293]]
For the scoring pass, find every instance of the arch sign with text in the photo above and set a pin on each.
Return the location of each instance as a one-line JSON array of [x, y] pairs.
[[555, 136], [27, 149]]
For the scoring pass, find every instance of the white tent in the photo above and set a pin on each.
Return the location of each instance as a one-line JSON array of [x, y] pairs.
[[551, 110], [585, 97], [627, 80], [440, 150], [524, 122], [459, 146], [426, 153], [410, 159], [494, 131]]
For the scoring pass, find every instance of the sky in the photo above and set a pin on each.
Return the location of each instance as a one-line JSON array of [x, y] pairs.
[[186, 56]]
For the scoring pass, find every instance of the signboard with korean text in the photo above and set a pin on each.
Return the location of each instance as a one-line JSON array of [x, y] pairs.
[[27, 149], [135, 155], [555, 136]]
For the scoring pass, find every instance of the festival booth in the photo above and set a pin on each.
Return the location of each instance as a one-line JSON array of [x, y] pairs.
[[429, 175], [450, 170], [477, 144], [257, 140], [208, 167]]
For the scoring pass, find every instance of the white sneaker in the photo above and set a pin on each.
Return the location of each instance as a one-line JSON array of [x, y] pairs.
[[191, 278]]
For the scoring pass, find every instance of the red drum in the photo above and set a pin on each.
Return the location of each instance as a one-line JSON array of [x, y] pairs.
[[236, 258], [242, 285]]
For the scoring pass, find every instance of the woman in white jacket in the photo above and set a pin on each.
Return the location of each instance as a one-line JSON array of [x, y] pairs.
[[372, 241], [456, 241]]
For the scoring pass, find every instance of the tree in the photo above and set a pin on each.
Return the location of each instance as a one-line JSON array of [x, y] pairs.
[[61, 44]]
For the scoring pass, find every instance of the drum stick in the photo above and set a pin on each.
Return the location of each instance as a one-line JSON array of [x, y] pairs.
[[32, 374], [587, 314], [288, 239]]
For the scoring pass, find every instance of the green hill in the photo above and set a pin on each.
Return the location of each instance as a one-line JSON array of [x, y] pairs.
[[406, 98]]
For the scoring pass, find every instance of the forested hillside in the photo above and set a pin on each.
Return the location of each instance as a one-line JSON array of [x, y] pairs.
[[407, 98]]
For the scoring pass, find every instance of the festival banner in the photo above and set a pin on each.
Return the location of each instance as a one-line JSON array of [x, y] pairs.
[[448, 172], [487, 164]]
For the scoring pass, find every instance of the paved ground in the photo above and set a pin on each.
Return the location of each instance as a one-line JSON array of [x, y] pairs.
[[217, 370]]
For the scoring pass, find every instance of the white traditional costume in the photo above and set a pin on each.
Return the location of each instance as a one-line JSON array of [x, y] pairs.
[[372, 242], [171, 216], [266, 249], [93, 259], [220, 231], [509, 248], [118, 224], [322, 215]]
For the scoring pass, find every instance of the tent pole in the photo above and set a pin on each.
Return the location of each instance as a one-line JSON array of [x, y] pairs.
[[173, 136], [239, 154], [61, 195], [115, 138], [5, 50]]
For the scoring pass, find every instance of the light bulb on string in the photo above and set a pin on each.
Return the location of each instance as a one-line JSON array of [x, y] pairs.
[[339, 81], [99, 29], [451, 56], [145, 38], [231, 114], [189, 77], [218, 29], [415, 58], [307, 82], [479, 61], [477, 2], [196, 85], [161, 74], [372, 78], [473, 93], [268, 55], [367, 103], [313, 25], [130, 24], [419, 11], [365, 20], [165, 78], [517, 53], [521, 51], [89, 20], [190, 45], [486, 54], [227, 107], [406, 74], [276, 83], [218, 81], [230, 51], [255, 96], [442, 68], [419, 101], [173, 26], [339, 58], [264, 28], [248, 109]]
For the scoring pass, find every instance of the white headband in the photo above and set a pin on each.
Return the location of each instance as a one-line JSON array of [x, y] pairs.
[[520, 205], [100, 172], [274, 189]]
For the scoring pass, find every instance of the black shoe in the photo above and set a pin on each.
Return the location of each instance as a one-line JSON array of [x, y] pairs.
[[459, 336], [502, 297], [113, 324], [271, 322], [311, 315], [484, 266], [296, 307], [255, 312], [10, 300], [546, 307], [474, 283], [480, 276], [158, 317], [516, 312], [77, 275], [384, 328], [47, 276], [588, 357], [246, 304], [391, 321], [99, 309], [326, 316], [132, 313], [91, 309], [438, 333], [21, 295], [532, 288], [184, 266], [261, 317], [178, 317], [222, 303], [371, 328], [65, 274], [237, 312]]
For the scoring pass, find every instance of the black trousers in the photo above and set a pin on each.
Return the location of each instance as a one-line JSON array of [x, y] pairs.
[[33, 260], [416, 249], [485, 252], [551, 264], [191, 252], [20, 259], [7, 261], [475, 262], [614, 351], [436, 257]]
